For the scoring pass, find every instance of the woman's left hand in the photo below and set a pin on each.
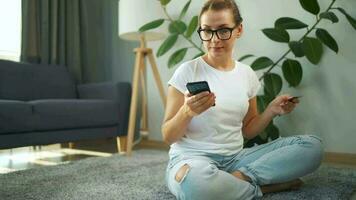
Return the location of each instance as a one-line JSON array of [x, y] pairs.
[[280, 105]]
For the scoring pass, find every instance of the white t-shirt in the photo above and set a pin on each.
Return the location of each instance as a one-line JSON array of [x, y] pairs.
[[218, 129]]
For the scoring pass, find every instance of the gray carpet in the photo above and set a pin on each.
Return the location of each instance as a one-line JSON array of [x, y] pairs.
[[142, 177]]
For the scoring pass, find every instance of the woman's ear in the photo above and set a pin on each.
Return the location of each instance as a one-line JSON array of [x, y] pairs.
[[239, 30]]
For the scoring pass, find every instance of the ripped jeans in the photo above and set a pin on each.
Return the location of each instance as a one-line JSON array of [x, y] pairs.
[[208, 176]]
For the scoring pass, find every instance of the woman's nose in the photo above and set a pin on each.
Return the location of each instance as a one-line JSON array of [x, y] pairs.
[[215, 37]]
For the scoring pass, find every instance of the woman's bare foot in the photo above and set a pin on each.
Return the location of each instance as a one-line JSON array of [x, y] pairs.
[[291, 185]]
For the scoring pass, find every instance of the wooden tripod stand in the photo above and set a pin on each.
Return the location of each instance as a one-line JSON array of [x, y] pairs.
[[139, 74]]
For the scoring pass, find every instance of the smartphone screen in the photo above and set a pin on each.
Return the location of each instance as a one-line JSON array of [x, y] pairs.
[[197, 87]]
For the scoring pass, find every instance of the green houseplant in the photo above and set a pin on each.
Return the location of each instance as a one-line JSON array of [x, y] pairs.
[[309, 45]]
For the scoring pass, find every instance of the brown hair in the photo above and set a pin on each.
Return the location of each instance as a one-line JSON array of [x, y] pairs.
[[218, 5]]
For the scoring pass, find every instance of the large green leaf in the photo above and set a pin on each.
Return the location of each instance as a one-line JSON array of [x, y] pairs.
[[193, 24], [167, 44], [292, 72], [296, 48], [184, 10], [273, 84], [330, 16], [289, 23], [164, 2], [258, 140], [276, 34], [177, 27], [327, 39], [176, 57], [272, 131], [262, 103], [311, 6], [251, 142], [261, 63], [248, 143], [351, 20], [245, 57], [313, 49], [151, 25]]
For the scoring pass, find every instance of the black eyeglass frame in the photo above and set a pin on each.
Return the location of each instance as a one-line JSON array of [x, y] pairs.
[[216, 33]]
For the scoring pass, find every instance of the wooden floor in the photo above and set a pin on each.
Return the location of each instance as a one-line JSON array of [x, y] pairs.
[[55, 154]]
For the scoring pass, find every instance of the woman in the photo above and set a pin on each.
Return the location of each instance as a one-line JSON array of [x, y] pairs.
[[206, 130]]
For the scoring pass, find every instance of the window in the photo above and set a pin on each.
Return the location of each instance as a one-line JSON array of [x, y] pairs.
[[10, 29]]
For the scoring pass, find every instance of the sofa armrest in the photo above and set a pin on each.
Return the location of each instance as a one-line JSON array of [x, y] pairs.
[[119, 92]]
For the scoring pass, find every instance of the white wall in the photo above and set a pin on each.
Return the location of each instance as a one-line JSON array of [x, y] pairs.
[[10, 34], [328, 106]]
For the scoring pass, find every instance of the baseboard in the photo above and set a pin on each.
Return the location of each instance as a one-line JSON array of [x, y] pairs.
[[341, 158]]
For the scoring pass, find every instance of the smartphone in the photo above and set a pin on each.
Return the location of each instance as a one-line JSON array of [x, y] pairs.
[[198, 87], [290, 99]]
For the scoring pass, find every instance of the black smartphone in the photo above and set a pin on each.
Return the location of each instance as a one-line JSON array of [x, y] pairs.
[[198, 87]]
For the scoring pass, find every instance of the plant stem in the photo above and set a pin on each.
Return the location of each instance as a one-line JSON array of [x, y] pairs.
[[289, 50], [188, 39]]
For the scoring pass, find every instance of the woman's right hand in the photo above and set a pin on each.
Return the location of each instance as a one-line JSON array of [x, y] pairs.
[[196, 104]]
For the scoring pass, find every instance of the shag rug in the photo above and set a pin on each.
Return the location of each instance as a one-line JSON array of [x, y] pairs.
[[142, 177]]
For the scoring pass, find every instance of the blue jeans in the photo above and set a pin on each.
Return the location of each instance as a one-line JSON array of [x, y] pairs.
[[209, 175]]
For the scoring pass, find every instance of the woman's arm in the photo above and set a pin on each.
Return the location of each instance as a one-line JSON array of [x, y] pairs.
[[176, 118], [180, 109], [254, 123]]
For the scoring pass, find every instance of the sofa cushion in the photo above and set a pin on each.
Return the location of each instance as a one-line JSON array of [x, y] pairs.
[[15, 116], [57, 114], [23, 81]]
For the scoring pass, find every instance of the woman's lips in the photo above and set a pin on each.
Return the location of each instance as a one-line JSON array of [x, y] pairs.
[[216, 48]]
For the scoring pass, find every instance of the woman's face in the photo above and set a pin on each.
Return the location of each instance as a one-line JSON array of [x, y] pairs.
[[214, 20]]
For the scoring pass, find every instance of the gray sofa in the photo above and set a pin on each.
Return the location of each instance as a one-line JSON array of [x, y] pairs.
[[41, 104]]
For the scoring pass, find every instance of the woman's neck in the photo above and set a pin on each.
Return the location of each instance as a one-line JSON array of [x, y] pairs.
[[220, 63]]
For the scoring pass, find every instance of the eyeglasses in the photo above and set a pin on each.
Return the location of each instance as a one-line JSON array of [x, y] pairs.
[[221, 33]]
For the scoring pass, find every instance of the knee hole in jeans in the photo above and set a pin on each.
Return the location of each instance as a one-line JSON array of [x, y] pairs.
[[182, 173], [238, 174]]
